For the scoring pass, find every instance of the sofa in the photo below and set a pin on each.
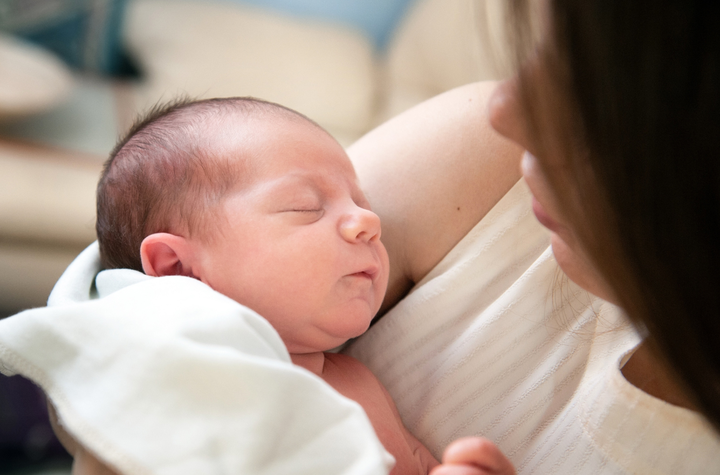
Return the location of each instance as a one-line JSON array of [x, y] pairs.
[[348, 65]]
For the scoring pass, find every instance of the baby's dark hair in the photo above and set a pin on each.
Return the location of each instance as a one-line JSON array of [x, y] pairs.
[[165, 175]]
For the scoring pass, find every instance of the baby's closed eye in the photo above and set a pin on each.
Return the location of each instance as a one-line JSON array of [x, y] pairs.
[[305, 210], [303, 214]]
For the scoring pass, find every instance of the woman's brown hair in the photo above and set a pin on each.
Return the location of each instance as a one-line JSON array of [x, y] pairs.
[[639, 83]]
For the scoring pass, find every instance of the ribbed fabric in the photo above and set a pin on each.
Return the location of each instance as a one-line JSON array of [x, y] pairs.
[[496, 342]]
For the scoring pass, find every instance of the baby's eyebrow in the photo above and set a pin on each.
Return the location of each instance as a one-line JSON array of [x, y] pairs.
[[298, 181], [293, 183]]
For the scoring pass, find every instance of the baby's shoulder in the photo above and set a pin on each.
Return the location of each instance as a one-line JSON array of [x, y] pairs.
[[341, 362], [344, 372]]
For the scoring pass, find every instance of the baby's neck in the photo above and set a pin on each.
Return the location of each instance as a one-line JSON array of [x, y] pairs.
[[313, 362]]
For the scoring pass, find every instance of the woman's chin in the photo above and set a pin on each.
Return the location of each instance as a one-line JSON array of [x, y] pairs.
[[578, 268]]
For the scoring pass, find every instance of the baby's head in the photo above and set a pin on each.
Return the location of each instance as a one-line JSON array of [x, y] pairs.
[[169, 173], [258, 202]]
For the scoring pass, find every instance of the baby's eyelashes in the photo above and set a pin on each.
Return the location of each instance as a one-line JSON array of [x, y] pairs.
[[304, 215]]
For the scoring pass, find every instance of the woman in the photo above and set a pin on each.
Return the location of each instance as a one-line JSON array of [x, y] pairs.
[[619, 109]]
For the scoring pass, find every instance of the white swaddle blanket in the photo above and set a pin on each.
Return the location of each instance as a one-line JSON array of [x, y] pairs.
[[166, 376]]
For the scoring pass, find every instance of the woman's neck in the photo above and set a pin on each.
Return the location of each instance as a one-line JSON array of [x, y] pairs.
[[645, 372], [313, 362]]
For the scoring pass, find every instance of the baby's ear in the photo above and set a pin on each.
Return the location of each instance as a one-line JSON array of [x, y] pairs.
[[166, 254]]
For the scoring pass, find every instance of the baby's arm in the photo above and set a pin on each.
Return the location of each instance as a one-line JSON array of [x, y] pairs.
[[355, 381], [473, 456], [422, 454]]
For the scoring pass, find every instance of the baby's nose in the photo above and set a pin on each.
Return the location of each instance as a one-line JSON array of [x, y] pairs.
[[360, 225]]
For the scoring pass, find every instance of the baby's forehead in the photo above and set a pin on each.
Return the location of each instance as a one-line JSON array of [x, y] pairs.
[[249, 135], [259, 142]]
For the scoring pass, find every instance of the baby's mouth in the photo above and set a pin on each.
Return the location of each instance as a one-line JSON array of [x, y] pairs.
[[369, 272]]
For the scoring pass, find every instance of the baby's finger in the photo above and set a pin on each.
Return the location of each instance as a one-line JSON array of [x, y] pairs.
[[453, 469], [479, 452]]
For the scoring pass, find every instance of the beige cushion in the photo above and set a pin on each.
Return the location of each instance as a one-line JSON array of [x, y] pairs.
[[440, 45], [29, 272], [47, 195], [47, 215], [31, 79], [210, 49]]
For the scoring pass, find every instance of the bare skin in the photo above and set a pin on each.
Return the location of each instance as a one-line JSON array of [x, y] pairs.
[[473, 456], [644, 371]]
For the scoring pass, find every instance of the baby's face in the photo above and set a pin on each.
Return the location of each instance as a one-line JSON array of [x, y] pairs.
[[300, 245]]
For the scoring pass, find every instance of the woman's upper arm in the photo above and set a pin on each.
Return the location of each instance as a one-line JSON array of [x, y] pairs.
[[431, 174]]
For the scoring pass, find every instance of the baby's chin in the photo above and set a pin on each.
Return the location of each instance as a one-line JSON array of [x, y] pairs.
[[362, 326], [328, 343], [342, 341]]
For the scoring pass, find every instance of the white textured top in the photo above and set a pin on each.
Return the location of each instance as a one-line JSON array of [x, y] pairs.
[[495, 341]]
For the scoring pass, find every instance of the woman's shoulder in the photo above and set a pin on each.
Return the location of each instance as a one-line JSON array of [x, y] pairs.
[[431, 174]]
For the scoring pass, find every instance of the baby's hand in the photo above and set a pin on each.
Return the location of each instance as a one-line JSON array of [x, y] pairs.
[[473, 456]]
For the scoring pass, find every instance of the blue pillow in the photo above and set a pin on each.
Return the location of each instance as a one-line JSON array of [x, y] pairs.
[[84, 33], [376, 18]]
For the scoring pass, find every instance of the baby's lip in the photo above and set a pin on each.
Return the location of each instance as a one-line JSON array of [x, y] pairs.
[[368, 273]]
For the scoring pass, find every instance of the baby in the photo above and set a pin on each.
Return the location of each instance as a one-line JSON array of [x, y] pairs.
[[263, 205]]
